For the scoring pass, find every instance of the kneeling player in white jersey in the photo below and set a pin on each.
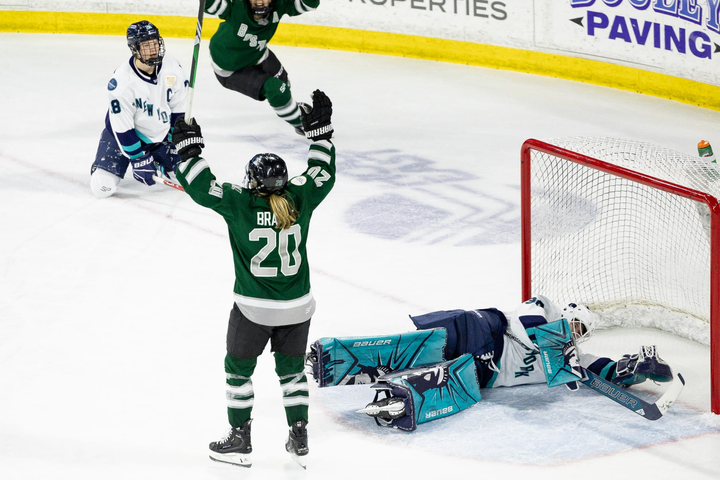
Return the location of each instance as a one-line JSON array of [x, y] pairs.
[[146, 95]]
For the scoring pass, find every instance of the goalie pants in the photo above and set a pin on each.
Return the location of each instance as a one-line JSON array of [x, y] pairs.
[[477, 332], [246, 341]]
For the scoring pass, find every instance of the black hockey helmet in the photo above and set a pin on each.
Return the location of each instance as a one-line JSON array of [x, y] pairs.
[[143, 31], [266, 173]]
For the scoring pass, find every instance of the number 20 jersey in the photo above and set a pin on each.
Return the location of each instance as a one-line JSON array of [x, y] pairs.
[[272, 276]]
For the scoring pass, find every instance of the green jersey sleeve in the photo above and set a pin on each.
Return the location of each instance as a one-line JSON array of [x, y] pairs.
[[319, 177], [199, 182], [298, 7], [221, 8]]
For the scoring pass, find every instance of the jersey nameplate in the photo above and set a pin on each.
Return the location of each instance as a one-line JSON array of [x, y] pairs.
[[266, 219]]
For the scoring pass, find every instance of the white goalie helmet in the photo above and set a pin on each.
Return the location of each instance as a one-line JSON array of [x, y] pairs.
[[582, 321]]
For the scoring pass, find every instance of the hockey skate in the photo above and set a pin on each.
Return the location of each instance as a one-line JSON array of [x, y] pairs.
[[646, 365], [234, 448], [386, 410], [297, 443]]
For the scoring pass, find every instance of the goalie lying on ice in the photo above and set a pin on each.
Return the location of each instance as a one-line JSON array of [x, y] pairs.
[[536, 343]]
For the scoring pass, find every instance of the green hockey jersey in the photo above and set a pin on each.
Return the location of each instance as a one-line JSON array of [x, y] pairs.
[[241, 41], [272, 276]]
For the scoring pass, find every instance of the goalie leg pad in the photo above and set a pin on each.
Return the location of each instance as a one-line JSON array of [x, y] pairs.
[[362, 360], [432, 392]]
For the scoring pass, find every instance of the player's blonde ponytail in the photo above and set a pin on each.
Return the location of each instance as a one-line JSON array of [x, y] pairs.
[[283, 209]]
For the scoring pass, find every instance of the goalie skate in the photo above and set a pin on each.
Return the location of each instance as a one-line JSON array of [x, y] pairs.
[[387, 409]]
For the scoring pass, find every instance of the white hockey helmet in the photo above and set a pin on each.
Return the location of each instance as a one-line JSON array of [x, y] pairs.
[[582, 321]]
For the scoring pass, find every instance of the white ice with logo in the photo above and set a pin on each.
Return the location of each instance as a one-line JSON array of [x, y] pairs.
[[113, 312]]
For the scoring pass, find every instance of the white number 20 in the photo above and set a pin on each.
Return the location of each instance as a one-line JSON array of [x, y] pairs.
[[279, 240]]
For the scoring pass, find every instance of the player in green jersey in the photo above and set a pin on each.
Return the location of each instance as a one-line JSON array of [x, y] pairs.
[[240, 55], [268, 220]]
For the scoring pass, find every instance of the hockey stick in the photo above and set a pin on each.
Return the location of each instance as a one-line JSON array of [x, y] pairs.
[[651, 411], [191, 92], [168, 183], [193, 68], [160, 179]]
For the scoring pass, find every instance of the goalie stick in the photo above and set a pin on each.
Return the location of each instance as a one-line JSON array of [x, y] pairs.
[[651, 411]]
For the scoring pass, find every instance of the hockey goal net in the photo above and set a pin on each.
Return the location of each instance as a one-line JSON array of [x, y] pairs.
[[630, 229]]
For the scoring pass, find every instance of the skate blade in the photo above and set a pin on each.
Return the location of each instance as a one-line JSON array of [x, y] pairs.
[[237, 459], [370, 410], [394, 410], [302, 461]]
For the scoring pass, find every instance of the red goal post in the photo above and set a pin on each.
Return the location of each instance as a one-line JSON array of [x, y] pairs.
[[592, 169]]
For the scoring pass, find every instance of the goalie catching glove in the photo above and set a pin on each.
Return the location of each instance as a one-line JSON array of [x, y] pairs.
[[316, 119], [188, 139]]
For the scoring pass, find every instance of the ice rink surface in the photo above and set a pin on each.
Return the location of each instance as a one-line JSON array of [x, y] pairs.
[[113, 312]]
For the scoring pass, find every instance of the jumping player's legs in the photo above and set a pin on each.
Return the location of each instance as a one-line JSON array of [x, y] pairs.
[[280, 99], [266, 80], [109, 166]]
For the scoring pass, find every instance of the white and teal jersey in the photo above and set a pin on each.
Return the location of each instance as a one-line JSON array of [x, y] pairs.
[[141, 108], [518, 364]]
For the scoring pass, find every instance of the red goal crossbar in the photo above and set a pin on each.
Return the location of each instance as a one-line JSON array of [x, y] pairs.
[[526, 157]]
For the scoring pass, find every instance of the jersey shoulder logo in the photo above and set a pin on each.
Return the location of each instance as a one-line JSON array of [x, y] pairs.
[[299, 181], [112, 84], [170, 80]]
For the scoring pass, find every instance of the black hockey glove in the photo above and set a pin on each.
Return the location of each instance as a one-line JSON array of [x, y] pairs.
[[187, 138], [316, 119]]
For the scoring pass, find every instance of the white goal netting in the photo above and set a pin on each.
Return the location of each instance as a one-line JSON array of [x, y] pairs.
[[636, 254]]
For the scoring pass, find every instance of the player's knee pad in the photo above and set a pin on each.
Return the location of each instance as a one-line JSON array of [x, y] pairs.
[[362, 360], [288, 365], [277, 92], [431, 392], [240, 366], [103, 183]]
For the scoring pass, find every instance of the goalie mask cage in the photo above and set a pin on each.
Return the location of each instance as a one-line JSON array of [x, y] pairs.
[[630, 229]]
